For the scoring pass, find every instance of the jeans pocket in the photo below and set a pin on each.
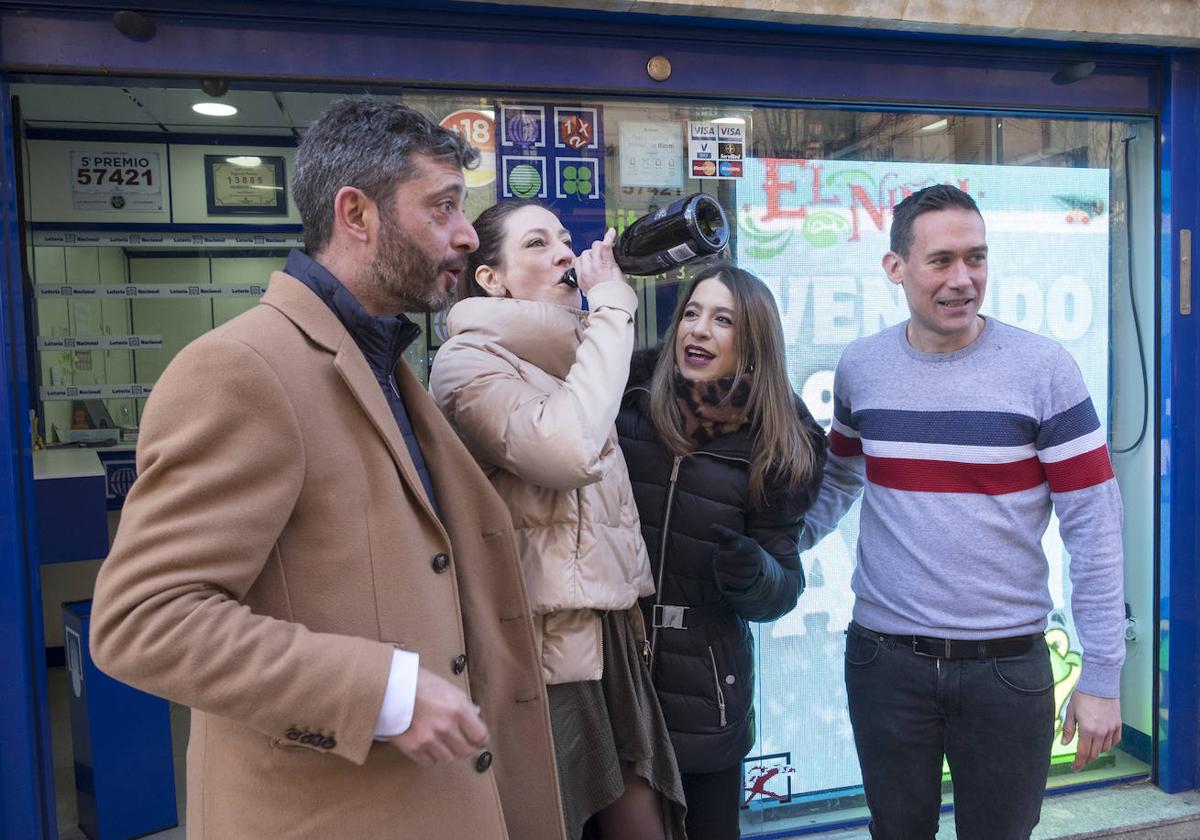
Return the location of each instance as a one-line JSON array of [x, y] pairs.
[[1028, 674], [860, 650]]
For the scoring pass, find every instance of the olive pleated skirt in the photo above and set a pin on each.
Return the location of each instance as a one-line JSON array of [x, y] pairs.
[[600, 725]]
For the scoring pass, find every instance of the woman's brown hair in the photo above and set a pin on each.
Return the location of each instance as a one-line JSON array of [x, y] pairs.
[[782, 450]]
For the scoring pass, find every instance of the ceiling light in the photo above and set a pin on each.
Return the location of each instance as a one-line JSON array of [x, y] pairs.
[[730, 121], [214, 109], [244, 160], [936, 125]]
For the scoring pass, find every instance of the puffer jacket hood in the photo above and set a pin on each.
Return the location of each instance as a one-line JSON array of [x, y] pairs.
[[533, 390]]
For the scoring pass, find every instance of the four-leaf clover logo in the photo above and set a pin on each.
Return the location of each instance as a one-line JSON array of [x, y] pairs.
[[577, 180]]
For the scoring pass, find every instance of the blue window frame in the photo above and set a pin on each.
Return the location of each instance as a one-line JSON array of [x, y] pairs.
[[26, 792]]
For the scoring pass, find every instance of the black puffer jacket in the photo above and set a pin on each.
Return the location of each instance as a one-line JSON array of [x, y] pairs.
[[704, 674]]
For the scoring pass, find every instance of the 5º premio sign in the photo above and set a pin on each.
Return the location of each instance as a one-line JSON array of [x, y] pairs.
[[115, 179]]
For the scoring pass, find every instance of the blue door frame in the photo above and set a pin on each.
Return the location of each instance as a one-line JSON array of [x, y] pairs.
[[397, 43], [26, 769], [1179, 601]]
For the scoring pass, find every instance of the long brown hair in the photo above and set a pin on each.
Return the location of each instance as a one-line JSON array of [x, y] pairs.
[[782, 450]]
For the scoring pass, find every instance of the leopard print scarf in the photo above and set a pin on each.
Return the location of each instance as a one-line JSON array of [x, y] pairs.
[[712, 407]]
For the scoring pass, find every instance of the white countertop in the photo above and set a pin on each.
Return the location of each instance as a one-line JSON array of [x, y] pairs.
[[68, 462]]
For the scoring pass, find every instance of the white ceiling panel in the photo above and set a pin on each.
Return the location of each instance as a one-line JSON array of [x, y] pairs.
[[129, 108]]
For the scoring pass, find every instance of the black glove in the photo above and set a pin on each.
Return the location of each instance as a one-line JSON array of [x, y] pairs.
[[737, 560]]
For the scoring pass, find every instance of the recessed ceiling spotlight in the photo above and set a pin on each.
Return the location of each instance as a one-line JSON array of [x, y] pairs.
[[214, 109], [935, 126]]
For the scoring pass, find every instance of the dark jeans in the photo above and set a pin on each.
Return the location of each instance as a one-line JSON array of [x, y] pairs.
[[993, 719], [713, 803]]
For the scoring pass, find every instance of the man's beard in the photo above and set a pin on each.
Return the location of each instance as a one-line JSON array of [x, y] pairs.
[[406, 276]]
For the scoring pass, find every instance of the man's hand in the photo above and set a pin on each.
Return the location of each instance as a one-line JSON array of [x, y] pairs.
[[1099, 722], [445, 725]]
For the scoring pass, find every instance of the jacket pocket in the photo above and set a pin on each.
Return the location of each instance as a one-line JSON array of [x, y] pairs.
[[571, 646], [720, 692]]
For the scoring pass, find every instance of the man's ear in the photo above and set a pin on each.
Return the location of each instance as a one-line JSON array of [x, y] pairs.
[[892, 266], [355, 214], [490, 282]]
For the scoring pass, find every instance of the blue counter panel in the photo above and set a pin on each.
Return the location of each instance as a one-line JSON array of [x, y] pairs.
[[124, 770], [72, 519]]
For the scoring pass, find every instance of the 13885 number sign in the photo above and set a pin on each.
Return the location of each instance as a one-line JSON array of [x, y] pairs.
[[116, 180]]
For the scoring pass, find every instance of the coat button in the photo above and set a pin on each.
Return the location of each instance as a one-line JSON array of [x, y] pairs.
[[459, 664], [293, 734], [440, 563], [483, 762], [328, 744]]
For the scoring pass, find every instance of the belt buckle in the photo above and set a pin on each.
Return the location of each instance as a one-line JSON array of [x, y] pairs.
[[946, 653], [669, 616]]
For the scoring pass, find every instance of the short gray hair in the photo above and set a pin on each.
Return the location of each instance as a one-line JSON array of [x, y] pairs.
[[366, 143]]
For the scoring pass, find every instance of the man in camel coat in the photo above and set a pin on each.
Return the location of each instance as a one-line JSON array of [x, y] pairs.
[[311, 560]]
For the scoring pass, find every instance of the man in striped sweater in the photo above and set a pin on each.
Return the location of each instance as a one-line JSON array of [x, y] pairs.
[[962, 433]]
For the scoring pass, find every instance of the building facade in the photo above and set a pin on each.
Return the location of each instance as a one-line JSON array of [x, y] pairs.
[[1073, 124]]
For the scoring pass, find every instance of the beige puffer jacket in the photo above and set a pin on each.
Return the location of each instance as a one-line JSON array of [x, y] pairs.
[[533, 389]]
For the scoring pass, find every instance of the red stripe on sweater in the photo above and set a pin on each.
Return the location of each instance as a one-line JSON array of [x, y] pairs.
[[1085, 470], [844, 447], [924, 476]]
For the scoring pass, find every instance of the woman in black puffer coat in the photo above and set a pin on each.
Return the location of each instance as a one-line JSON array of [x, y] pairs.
[[724, 459]]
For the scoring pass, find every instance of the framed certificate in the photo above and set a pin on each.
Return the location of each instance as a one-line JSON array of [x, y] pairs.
[[245, 185]]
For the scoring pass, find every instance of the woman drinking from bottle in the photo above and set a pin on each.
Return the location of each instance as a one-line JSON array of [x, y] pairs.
[[725, 459], [533, 385]]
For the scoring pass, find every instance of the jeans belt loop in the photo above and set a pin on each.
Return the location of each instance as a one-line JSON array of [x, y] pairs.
[[669, 616]]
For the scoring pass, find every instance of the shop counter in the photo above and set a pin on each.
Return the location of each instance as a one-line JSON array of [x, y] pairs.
[[72, 512]]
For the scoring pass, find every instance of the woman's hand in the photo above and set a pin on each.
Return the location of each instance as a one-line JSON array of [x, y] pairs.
[[597, 264], [737, 560]]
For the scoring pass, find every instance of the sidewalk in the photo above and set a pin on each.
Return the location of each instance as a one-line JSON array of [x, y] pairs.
[[1136, 811], [1127, 812]]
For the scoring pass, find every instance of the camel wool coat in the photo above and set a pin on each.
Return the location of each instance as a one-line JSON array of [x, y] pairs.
[[275, 547]]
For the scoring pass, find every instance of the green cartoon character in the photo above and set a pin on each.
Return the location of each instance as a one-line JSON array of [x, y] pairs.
[[1065, 664]]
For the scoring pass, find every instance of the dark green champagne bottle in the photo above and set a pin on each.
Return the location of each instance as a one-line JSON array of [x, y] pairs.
[[684, 230]]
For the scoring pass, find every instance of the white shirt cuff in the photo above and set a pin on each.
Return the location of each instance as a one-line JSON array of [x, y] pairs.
[[398, 699]]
